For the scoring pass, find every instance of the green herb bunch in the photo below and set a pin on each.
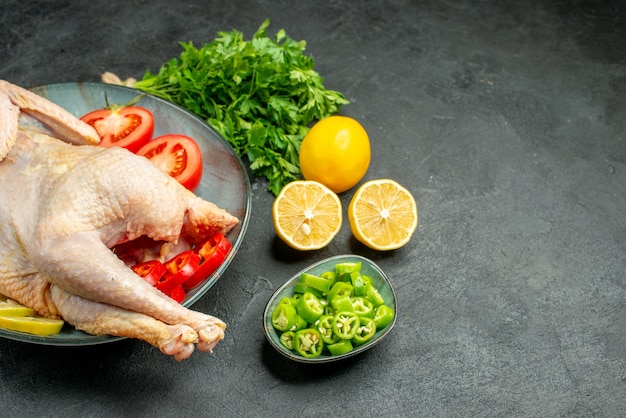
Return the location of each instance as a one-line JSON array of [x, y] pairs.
[[261, 95]]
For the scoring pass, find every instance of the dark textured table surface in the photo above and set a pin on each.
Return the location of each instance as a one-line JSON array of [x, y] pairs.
[[508, 124]]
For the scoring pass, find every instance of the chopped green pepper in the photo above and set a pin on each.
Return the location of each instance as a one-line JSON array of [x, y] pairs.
[[366, 330], [383, 316], [340, 288], [341, 268], [373, 295], [324, 326], [345, 324], [316, 282], [290, 301], [362, 306], [284, 317], [358, 283], [309, 307], [331, 276], [344, 270], [308, 343], [300, 324], [341, 347], [342, 303], [301, 288], [286, 339]]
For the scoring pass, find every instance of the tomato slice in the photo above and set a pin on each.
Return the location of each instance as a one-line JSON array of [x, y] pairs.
[[178, 155], [212, 252], [129, 127]]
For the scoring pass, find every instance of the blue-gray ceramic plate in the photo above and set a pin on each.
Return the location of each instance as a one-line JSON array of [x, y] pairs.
[[224, 182], [368, 267]]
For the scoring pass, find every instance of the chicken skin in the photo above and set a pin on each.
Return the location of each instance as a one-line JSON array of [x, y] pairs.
[[65, 203]]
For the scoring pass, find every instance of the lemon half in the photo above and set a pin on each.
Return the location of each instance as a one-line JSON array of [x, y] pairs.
[[307, 215], [383, 214]]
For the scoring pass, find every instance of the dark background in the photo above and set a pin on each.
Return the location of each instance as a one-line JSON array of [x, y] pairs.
[[506, 120]]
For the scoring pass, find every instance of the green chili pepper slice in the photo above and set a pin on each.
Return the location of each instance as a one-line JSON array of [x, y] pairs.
[[316, 282], [308, 343], [330, 276], [341, 268], [289, 301], [362, 307], [365, 332], [309, 307], [284, 317], [345, 324], [383, 315], [342, 303], [301, 288], [344, 270], [358, 283], [341, 347], [340, 288], [373, 295], [300, 324], [324, 326], [286, 339]]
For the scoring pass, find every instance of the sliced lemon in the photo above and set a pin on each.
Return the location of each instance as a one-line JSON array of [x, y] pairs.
[[11, 309], [383, 215], [306, 214], [31, 325]]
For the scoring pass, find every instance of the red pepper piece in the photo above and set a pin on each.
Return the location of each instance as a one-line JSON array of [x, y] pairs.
[[178, 269], [212, 254], [150, 271], [178, 294], [186, 263]]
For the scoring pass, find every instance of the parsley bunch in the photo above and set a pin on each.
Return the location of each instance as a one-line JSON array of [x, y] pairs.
[[261, 95]]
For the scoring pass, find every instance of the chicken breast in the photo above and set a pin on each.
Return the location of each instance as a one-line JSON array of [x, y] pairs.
[[65, 205]]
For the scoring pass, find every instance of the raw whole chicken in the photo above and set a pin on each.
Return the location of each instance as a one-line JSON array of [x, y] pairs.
[[65, 205]]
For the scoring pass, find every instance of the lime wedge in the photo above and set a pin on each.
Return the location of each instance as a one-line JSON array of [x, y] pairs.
[[31, 325]]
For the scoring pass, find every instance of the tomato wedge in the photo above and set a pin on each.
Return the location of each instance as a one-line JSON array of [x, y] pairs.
[[178, 155], [129, 127], [212, 254]]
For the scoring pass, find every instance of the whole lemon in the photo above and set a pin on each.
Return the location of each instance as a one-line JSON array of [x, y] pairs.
[[336, 153]]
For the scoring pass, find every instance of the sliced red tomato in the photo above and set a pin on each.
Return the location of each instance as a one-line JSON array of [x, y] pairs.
[[178, 155], [151, 271], [213, 252], [129, 127]]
